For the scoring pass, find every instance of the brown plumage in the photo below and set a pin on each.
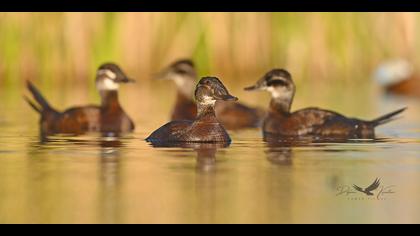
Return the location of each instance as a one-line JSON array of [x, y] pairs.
[[205, 127], [109, 117], [409, 87], [398, 77], [185, 108], [232, 115], [310, 121]]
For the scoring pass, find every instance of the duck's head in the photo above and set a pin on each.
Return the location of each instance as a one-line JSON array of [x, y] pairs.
[[182, 73], [211, 89], [393, 71], [109, 77], [278, 82]]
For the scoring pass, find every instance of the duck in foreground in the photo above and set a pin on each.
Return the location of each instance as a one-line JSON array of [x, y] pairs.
[[107, 118], [232, 115], [312, 122], [205, 128]]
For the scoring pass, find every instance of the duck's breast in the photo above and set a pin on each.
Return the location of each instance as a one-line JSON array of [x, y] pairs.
[[211, 132], [115, 120]]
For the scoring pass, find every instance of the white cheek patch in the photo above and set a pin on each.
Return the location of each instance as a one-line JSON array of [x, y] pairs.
[[208, 101], [393, 72], [179, 81], [108, 73], [280, 93], [107, 84], [185, 85]]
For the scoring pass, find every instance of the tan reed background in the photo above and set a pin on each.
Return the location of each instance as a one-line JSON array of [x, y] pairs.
[[319, 46]]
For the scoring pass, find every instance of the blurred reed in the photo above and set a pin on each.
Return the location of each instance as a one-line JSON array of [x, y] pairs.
[[318, 46]]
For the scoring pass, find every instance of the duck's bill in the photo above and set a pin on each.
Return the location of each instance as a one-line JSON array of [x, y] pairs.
[[252, 88], [227, 97], [162, 75], [126, 80]]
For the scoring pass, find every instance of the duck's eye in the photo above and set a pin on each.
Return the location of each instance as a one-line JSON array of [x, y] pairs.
[[109, 73], [276, 83]]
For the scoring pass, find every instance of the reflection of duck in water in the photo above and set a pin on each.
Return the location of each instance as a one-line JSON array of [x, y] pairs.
[[397, 77], [232, 115], [102, 141], [109, 117], [206, 152], [314, 122], [205, 128], [279, 153]]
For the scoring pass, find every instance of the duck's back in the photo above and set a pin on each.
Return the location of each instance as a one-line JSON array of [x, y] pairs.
[[317, 122], [199, 131], [170, 132], [77, 120], [80, 120], [410, 87], [235, 115]]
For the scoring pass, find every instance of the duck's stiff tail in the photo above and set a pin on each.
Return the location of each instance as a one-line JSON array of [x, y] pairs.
[[42, 103], [388, 117]]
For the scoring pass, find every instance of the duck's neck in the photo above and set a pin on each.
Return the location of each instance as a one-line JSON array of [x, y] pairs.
[[109, 99], [206, 112], [186, 86], [280, 106], [182, 98]]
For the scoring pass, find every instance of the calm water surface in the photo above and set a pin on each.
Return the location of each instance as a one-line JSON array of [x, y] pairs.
[[91, 179]]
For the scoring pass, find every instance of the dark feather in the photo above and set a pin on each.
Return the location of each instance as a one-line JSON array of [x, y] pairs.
[[388, 117], [35, 107], [38, 97]]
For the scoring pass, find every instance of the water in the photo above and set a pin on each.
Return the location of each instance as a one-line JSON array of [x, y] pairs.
[[90, 179]]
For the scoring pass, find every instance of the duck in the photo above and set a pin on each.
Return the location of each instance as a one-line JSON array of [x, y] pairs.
[[232, 115], [205, 127], [107, 118], [397, 77], [312, 121]]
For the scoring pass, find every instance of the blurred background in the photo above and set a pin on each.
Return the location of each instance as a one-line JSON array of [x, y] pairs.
[[313, 46]]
